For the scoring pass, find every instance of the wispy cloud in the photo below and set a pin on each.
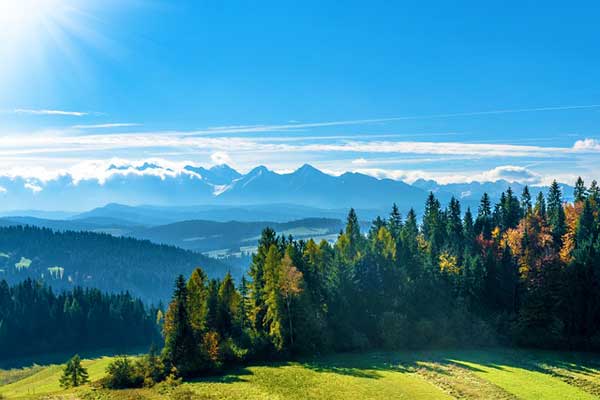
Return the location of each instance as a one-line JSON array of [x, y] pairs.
[[165, 140], [50, 112], [294, 126], [107, 126]]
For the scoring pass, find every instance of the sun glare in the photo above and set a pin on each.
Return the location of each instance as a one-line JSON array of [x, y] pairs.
[[40, 37], [23, 16]]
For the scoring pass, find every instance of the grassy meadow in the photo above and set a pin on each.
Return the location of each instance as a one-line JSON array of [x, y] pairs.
[[491, 374]]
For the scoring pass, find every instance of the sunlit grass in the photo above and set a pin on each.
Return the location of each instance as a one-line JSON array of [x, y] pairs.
[[497, 374]]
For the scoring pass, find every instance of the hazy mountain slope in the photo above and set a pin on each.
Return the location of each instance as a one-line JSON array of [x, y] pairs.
[[114, 264], [207, 236]]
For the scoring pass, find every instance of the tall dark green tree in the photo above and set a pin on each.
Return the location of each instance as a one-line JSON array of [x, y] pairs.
[[74, 374], [580, 191], [556, 214], [181, 349]]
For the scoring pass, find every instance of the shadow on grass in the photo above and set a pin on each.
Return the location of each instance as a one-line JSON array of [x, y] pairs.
[[369, 365], [229, 376], [372, 365]]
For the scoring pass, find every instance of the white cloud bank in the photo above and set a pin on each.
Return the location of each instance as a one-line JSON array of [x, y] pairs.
[[587, 145], [510, 173]]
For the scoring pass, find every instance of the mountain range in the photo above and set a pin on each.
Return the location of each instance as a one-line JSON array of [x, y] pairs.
[[222, 186]]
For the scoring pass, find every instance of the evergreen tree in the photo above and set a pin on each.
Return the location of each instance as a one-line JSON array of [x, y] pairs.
[[395, 222], [454, 228], [540, 206], [180, 349], [483, 223], [228, 308], [580, 191], [256, 272], [556, 214], [274, 316], [594, 192], [74, 374], [526, 201], [197, 301]]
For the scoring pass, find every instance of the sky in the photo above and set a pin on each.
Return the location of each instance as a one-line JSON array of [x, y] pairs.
[[451, 91]]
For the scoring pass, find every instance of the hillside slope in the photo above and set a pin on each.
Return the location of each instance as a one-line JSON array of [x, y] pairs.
[[113, 264]]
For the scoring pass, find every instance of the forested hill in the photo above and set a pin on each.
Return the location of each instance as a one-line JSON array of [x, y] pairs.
[[113, 264]]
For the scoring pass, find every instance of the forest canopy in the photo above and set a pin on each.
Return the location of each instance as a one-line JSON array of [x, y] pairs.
[[522, 272]]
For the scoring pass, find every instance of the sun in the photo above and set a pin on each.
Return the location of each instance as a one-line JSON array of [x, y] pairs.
[[24, 17], [42, 38]]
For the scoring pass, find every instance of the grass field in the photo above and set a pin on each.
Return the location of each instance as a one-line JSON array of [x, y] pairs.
[[492, 374]]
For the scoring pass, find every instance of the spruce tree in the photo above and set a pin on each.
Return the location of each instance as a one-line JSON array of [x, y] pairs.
[[74, 374], [526, 201], [556, 214], [197, 301], [483, 223], [180, 349], [228, 306], [580, 191], [395, 222], [540, 206]]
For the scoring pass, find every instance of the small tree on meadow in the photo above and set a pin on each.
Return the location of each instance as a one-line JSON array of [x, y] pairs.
[[74, 374]]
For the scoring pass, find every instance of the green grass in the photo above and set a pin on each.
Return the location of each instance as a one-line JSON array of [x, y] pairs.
[[492, 374], [45, 380]]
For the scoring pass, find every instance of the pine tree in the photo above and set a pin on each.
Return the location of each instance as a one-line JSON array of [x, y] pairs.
[[74, 374], [556, 214], [395, 222], [540, 206], [483, 223], [257, 305], [197, 301], [355, 238], [454, 228], [274, 316], [594, 192], [228, 308], [526, 201], [468, 229], [244, 308], [580, 191], [180, 349]]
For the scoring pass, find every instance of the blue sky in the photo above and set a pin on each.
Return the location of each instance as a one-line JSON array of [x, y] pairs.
[[452, 91]]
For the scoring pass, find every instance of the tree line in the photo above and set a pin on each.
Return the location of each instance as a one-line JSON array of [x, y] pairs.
[[522, 272], [35, 320]]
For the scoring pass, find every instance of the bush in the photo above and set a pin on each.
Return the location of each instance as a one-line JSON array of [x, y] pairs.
[[231, 353], [122, 374]]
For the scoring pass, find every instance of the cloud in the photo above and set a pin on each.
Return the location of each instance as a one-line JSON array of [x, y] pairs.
[[587, 145], [35, 188], [220, 157], [293, 125], [509, 173], [110, 125], [360, 161], [47, 142], [50, 112], [2, 190]]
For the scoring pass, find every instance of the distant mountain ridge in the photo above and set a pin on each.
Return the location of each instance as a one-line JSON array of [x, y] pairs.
[[221, 185]]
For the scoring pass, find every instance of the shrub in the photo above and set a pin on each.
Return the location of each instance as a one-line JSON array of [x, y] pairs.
[[122, 374]]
